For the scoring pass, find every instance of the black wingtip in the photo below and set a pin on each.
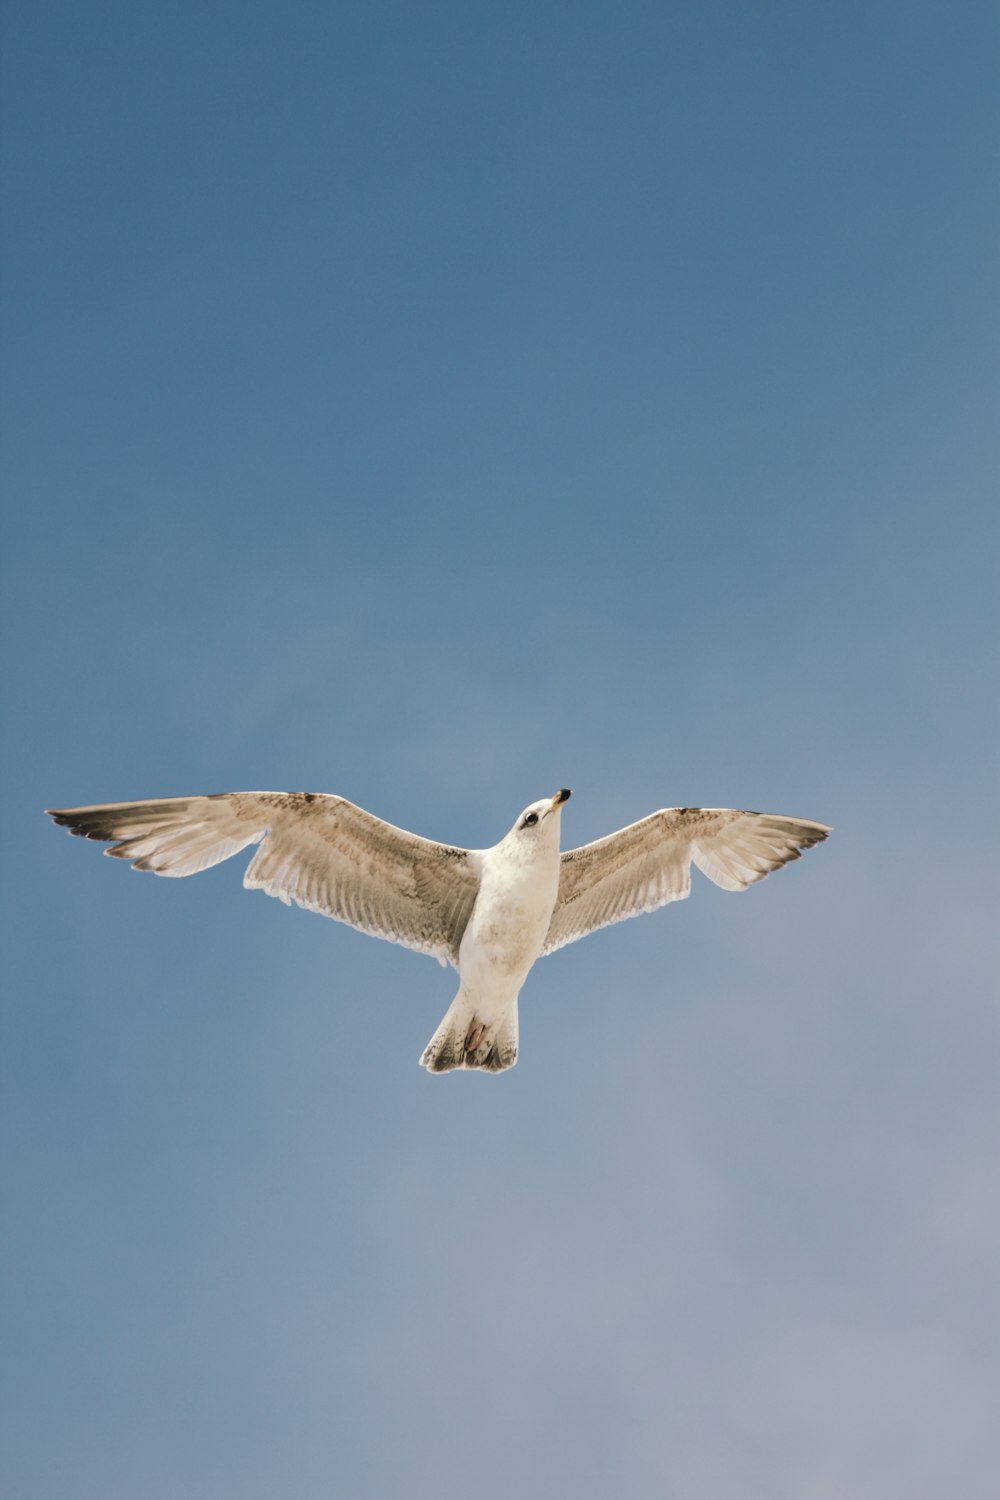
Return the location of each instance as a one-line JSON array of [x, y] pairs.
[[80, 823], [60, 817]]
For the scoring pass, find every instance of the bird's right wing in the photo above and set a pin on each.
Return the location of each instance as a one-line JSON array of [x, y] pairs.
[[319, 851], [644, 866]]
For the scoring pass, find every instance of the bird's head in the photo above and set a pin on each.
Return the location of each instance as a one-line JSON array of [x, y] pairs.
[[538, 825]]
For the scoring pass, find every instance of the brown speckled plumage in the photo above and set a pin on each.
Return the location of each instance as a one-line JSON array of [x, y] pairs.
[[647, 864], [321, 852]]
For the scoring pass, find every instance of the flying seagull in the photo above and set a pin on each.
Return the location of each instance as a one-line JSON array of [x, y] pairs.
[[489, 912]]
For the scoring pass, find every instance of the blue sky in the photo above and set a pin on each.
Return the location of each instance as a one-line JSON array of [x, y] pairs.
[[440, 405]]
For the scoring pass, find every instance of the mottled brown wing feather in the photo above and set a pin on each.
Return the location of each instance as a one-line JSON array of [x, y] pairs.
[[642, 867], [322, 852]]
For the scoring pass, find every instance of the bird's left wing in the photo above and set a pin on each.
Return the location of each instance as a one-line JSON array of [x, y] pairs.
[[319, 851], [644, 866]]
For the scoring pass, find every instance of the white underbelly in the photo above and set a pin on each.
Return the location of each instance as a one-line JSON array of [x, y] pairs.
[[500, 944]]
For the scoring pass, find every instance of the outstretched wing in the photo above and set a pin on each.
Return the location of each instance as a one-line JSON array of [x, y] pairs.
[[644, 866], [321, 852]]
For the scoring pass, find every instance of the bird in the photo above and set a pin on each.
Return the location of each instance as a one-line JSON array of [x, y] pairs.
[[488, 912]]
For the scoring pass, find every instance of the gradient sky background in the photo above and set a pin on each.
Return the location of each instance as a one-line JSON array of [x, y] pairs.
[[439, 405]]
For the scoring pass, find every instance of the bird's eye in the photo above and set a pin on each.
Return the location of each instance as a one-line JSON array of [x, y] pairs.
[[529, 820]]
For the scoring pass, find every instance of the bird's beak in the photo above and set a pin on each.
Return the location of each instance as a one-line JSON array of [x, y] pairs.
[[560, 797]]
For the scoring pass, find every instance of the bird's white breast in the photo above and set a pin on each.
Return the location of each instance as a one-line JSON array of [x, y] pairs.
[[509, 921]]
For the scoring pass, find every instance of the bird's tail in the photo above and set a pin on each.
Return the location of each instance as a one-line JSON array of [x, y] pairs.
[[464, 1040]]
